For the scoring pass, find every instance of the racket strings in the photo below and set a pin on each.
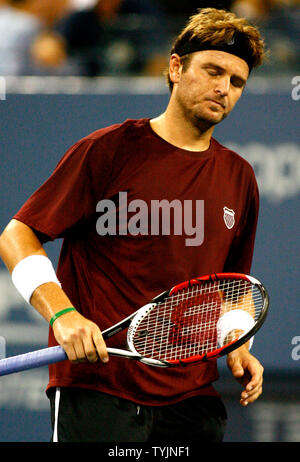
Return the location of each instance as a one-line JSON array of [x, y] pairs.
[[184, 324]]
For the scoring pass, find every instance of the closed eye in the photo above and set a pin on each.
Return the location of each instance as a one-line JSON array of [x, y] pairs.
[[237, 82], [212, 72], [216, 71]]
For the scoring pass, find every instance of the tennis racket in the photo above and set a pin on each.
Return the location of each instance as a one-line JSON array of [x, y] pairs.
[[198, 320]]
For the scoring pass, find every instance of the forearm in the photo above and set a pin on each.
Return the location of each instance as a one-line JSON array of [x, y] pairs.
[[80, 337], [17, 242], [48, 299]]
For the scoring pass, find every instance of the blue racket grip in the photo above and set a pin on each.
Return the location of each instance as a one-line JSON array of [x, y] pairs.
[[31, 360]]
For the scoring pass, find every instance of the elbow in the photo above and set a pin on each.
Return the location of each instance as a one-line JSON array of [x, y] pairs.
[[17, 242], [3, 241], [13, 240]]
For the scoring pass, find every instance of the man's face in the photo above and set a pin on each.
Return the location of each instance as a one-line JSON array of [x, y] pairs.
[[208, 89]]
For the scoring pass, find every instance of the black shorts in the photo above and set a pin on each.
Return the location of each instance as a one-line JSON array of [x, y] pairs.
[[81, 415]]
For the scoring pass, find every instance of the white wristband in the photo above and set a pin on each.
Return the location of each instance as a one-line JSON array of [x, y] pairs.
[[231, 320], [31, 272]]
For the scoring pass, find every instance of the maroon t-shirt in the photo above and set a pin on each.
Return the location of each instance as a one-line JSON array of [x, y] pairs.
[[108, 276]]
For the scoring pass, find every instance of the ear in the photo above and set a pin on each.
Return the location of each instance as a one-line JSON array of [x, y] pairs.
[[175, 68]]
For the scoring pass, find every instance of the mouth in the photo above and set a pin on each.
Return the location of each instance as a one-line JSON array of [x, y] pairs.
[[217, 102]]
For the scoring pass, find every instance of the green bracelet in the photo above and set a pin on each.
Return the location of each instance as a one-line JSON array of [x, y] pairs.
[[60, 313]]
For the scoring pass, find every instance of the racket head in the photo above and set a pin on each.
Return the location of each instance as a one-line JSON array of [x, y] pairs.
[[180, 326]]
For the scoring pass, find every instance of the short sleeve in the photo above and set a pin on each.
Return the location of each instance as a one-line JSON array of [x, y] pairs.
[[69, 196]]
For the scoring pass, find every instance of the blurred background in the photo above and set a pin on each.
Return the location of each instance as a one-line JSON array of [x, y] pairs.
[[68, 67]]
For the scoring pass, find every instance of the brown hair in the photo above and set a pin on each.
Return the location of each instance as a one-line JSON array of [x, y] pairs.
[[216, 28]]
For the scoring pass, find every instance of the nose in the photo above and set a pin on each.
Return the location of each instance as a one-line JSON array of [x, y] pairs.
[[223, 85]]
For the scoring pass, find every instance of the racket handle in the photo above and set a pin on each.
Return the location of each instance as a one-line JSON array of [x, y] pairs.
[[32, 360]]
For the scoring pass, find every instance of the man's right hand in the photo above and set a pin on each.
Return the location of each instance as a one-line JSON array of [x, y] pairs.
[[80, 338]]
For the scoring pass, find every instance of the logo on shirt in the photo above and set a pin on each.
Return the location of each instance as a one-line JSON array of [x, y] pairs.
[[229, 217]]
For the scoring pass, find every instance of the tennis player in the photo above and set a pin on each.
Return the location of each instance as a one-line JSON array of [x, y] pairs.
[[105, 273]]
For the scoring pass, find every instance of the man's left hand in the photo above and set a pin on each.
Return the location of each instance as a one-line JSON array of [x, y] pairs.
[[248, 371]]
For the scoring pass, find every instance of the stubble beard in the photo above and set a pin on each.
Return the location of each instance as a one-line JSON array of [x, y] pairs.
[[199, 118], [203, 121]]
